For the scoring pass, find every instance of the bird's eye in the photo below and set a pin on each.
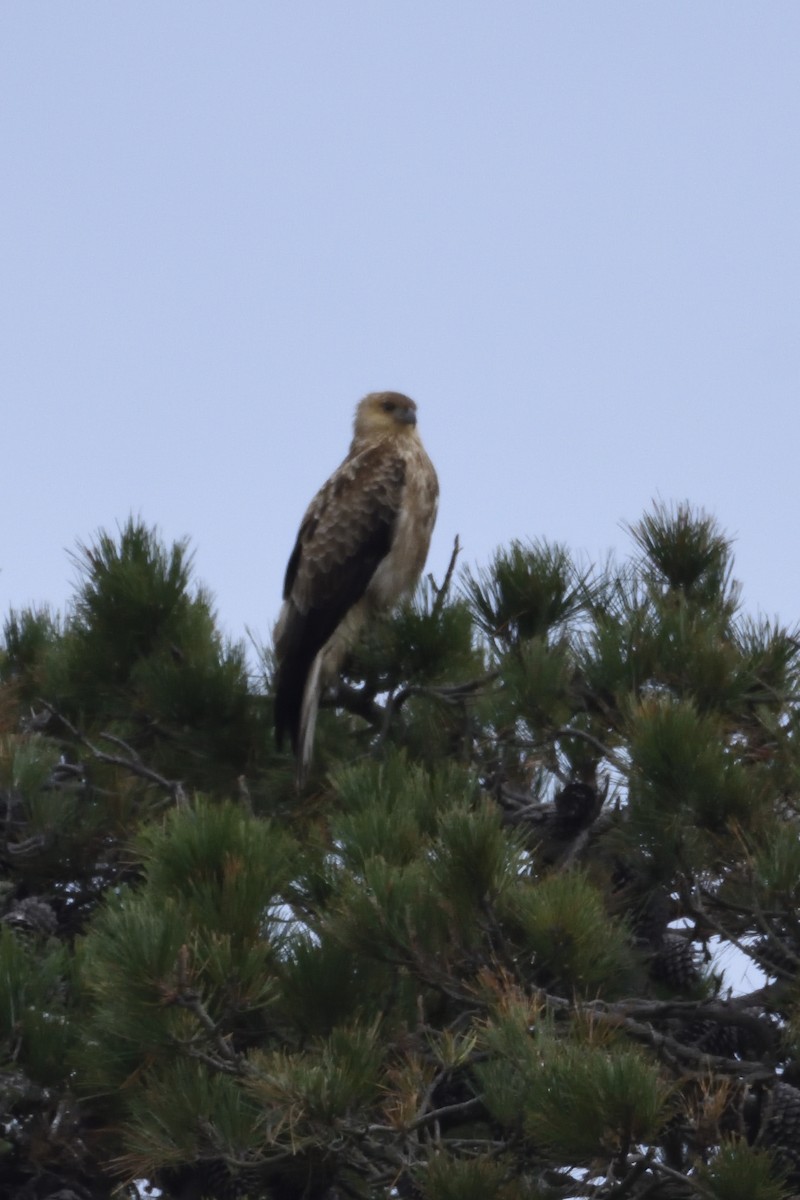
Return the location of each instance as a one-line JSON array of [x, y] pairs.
[[389, 406]]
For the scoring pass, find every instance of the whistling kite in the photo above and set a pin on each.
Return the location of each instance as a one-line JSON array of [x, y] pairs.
[[362, 545]]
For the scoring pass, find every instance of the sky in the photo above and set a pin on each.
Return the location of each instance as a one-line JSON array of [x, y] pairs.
[[571, 231]]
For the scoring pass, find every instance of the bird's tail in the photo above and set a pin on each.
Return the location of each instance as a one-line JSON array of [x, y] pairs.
[[297, 693], [308, 720]]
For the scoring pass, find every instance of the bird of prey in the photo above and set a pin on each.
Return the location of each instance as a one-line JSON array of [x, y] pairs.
[[362, 545]]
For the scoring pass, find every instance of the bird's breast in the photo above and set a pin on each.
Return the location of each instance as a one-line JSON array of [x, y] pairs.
[[398, 572]]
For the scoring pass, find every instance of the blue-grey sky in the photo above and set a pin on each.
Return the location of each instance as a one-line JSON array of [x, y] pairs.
[[571, 231]]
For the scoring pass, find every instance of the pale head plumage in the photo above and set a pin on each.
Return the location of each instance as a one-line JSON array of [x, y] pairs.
[[384, 414]]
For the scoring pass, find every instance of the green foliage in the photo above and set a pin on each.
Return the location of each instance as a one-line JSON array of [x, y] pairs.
[[225, 865], [140, 657], [392, 913], [445, 1177], [685, 551], [54, 819], [425, 661], [527, 592], [427, 855], [28, 638], [464, 960], [474, 859], [587, 1102], [34, 1023], [426, 640], [619, 650], [132, 599], [511, 1060], [391, 809], [576, 1098], [334, 1078], [574, 945], [742, 1172], [685, 782], [130, 973], [186, 1113], [324, 984], [770, 663], [536, 684], [26, 765], [196, 945], [776, 867]]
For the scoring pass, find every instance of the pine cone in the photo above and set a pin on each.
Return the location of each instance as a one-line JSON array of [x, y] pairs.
[[780, 1128], [576, 807], [211, 1180], [32, 915], [725, 1041], [650, 923], [623, 875], [776, 956], [675, 962], [233, 1183]]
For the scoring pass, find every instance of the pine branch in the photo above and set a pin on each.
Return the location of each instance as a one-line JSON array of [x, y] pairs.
[[626, 1185], [466, 1108], [29, 845], [753, 914], [673, 1051], [357, 701], [187, 997], [718, 1012], [661, 1169], [606, 751], [453, 694], [131, 762]]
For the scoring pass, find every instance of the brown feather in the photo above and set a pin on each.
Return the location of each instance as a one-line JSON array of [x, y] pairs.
[[362, 543], [346, 532]]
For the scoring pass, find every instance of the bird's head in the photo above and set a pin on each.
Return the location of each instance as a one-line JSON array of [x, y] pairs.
[[382, 413]]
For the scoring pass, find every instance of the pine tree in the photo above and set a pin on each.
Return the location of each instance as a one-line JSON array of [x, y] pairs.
[[480, 956]]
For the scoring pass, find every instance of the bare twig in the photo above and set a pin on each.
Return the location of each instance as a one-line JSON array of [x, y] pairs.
[[129, 762], [228, 1061], [440, 593], [660, 1168], [466, 1108], [606, 751], [28, 845], [453, 693]]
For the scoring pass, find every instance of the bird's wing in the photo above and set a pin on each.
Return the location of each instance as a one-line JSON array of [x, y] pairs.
[[345, 534], [346, 531]]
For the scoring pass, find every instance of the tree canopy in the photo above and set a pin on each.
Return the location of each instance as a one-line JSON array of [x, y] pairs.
[[530, 931]]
